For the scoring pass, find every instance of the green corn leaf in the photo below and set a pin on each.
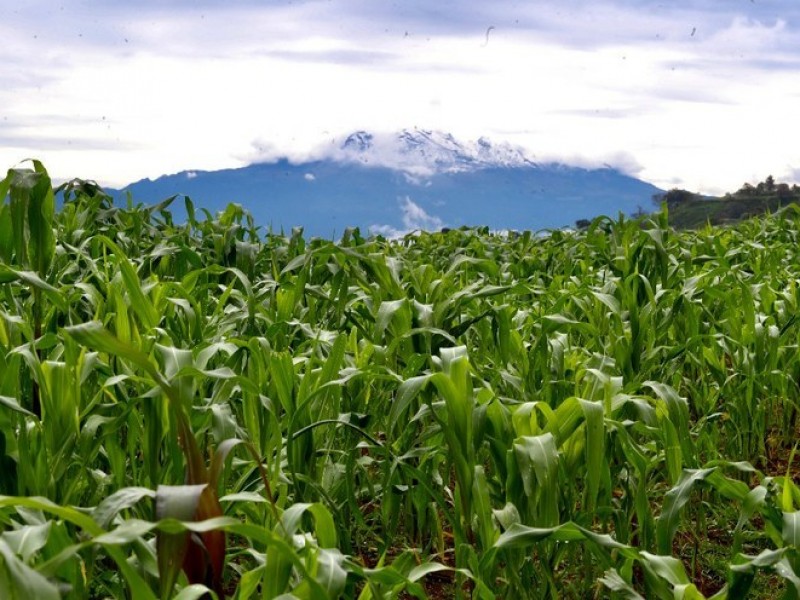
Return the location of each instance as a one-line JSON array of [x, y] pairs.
[[786, 569], [791, 529], [331, 574], [678, 410], [94, 335], [195, 591], [507, 516], [595, 454], [6, 230], [406, 393], [27, 540], [181, 503], [325, 529], [140, 303], [120, 500], [18, 581], [614, 582], [32, 206], [733, 489], [787, 495], [138, 587], [7, 241], [482, 507], [126, 533], [674, 502], [753, 501], [8, 274], [19, 213], [668, 568], [218, 460], [334, 362], [389, 311], [455, 387], [564, 421], [537, 460], [277, 572], [522, 536], [12, 404], [41, 210], [294, 264], [282, 371], [175, 360], [687, 591], [280, 559], [743, 569], [424, 569], [672, 451], [244, 497]]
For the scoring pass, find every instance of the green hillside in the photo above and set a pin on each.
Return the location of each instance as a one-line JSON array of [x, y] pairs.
[[691, 211]]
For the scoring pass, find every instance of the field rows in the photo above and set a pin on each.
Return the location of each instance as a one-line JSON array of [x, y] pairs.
[[205, 408]]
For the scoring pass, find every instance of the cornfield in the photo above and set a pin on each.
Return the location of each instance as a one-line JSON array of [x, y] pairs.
[[206, 410]]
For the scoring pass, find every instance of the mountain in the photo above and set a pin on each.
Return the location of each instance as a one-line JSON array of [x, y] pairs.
[[421, 152], [394, 183]]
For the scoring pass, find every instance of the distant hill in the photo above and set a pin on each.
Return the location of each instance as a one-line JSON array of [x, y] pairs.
[[691, 211], [412, 180]]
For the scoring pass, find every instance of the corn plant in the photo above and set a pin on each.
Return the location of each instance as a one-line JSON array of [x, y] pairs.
[[203, 409]]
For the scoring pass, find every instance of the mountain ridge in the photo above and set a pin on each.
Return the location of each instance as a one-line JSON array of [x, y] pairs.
[[430, 151], [390, 184]]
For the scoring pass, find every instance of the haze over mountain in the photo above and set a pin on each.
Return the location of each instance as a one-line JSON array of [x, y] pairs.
[[394, 183]]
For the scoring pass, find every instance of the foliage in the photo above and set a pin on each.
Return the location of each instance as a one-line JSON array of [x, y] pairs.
[[198, 409], [690, 211]]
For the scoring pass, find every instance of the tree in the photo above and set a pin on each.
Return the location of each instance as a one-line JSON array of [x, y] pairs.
[[783, 191], [747, 191], [674, 197]]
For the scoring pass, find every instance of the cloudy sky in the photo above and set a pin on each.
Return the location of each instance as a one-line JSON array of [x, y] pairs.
[[702, 94]]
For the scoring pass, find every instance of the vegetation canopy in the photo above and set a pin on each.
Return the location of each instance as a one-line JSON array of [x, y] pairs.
[[690, 210], [204, 410]]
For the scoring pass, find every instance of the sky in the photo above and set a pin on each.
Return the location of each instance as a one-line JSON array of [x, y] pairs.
[[698, 94]]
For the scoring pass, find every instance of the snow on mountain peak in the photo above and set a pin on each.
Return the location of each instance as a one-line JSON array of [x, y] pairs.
[[360, 141], [425, 152]]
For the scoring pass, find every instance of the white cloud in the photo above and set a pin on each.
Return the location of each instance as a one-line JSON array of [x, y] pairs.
[[414, 218], [387, 231], [309, 177], [162, 87], [191, 174]]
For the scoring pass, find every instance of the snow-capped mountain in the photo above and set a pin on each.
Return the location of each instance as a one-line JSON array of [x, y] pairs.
[[414, 179], [425, 152]]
